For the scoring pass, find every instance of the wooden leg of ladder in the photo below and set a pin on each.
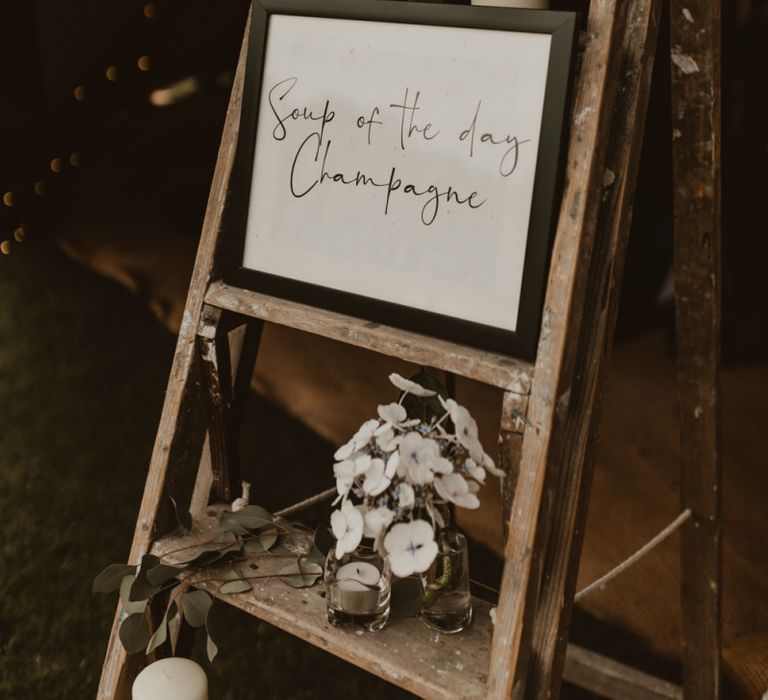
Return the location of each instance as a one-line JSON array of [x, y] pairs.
[[118, 670], [695, 39], [580, 434], [171, 454], [217, 392], [595, 94], [227, 366]]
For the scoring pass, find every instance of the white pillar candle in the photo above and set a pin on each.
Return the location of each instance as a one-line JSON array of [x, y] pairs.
[[171, 679], [527, 4]]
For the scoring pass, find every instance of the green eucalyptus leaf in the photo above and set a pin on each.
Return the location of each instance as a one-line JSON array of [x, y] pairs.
[[211, 648], [142, 589], [195, 606], [163, 573], [248, 518], [237, 586], [110, 579], [133, 633], [316, 556], [268, 537], [161, 633], [130, 607], [301, 573], [203, 559], [206, 553], [262, 542], [253, 546]]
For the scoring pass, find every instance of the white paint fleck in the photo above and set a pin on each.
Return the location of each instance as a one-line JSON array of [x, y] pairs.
[[683, 61], [459, 667], [609, 177], [676, 134], [687, 15], [579, 118], [698, 412], [545, 323], [492, 613]]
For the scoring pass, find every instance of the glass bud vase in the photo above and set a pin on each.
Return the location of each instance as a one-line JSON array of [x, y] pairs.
[[446, 605], [357, 588]]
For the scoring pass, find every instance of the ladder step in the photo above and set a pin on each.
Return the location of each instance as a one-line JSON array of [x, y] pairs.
[[406, 653], [508, 373]]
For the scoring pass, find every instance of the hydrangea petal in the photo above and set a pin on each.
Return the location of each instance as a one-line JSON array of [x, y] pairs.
[[408, 386]]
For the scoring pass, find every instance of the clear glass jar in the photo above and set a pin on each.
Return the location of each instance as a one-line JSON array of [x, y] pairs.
[[357, 588], [446, 605]]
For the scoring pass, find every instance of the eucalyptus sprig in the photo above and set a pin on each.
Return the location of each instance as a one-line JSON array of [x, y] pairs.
[[243, 535]]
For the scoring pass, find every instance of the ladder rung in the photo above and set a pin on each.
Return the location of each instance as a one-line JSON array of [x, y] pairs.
[[502, 371]]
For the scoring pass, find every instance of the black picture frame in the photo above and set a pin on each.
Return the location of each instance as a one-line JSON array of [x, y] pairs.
[[547, 181]]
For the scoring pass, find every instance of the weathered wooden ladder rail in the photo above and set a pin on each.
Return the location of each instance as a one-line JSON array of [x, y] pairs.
[[547, 434]]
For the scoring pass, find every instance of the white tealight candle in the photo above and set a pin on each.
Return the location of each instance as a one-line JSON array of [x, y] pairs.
[[360, 571], [171, 679]]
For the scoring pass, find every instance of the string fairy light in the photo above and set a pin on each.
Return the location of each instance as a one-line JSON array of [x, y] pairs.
[[56, 165]]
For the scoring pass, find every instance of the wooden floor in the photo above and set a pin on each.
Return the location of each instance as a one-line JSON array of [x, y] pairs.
[[635, 494]]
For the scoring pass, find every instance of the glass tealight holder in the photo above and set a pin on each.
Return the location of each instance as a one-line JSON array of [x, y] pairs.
[[357, 588], [446, 605]]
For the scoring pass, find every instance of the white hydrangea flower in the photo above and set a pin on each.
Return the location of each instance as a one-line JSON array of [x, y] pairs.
[[386, 439], [347, 471], [376, 520], [406, 496], [466, 429], [491, 467], [392, 414], [454, 488], [347, 527], [376, 481], [392, 463], [345, 451], [359, 440], [420, 459], [475, 470], [410, 547], [408, 386]]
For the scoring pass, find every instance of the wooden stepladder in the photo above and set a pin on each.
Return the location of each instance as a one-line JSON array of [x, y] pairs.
[[546, 435]]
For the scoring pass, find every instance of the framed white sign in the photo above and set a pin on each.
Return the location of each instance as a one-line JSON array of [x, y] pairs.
[[399, 162]]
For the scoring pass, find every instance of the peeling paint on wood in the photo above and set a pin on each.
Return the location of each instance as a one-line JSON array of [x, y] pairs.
[[687, 64]]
